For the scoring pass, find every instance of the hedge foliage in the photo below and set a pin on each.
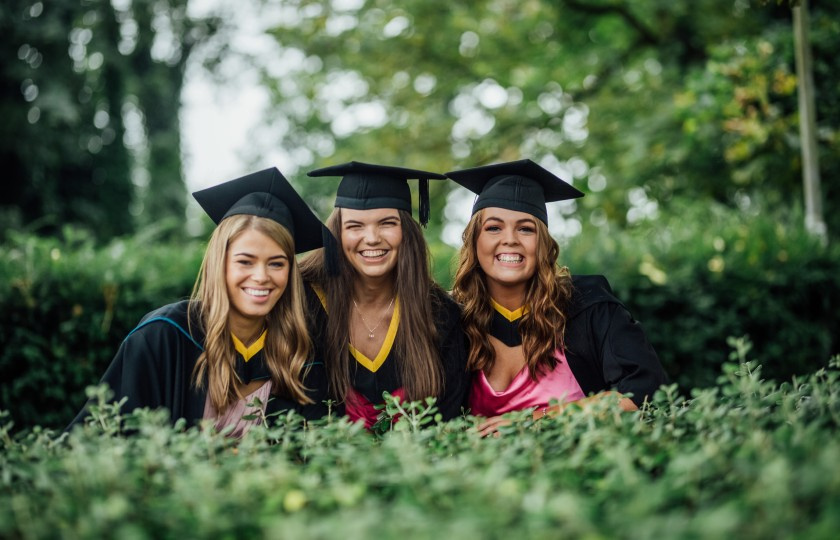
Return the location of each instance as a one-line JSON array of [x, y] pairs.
[[748, 458], [692, 280], [65, 305], [705, 272]]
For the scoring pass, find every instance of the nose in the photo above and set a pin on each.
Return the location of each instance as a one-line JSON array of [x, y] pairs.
[[509, 237], [372, 235], [260, 273]]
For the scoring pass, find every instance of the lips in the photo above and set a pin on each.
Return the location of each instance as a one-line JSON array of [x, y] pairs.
[[259, 293], [373, 253]]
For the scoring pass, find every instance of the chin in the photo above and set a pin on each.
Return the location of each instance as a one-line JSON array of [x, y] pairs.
[[257, 312], [376, 271], [376, 274]]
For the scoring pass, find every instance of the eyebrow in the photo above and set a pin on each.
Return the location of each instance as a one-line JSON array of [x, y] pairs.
[[519, 221], [357, 222], [246, 254]]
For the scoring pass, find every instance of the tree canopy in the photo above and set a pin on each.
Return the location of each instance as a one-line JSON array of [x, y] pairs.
[[90, 106], [637, 102]]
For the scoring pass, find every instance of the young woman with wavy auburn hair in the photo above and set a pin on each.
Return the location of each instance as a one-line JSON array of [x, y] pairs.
[[536, 333], [240, 347], [549, 292], [387, 327]]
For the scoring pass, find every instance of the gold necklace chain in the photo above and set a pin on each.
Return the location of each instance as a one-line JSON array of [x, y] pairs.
[[370, 330]]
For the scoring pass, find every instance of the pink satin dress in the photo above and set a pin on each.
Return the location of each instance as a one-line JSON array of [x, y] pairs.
[[524, 392]]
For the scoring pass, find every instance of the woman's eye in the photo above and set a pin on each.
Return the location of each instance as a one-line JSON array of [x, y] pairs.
[[529, 230], [243, 262], [492, 228], [277, 264]]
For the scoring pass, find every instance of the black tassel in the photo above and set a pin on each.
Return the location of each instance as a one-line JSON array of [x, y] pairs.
[[331, 262], [424, 201]]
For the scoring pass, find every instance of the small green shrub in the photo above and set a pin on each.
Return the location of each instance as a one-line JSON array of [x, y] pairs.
[[748, 458]]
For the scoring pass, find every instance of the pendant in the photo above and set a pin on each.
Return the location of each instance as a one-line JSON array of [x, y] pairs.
[[370, 335]]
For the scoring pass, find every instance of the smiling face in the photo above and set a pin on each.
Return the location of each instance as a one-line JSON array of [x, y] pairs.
[[506, 249], [256, 274], [371, 240]]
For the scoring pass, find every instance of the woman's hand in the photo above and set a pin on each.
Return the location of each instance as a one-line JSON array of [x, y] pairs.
[[490, 426], [625, 404]]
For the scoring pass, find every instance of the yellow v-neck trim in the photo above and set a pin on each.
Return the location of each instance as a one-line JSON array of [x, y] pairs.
[[385, 350], [321, 295], [508, 314], [249, 352]]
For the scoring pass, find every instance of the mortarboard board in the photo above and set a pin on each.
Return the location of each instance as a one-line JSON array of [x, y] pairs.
[[520, 185], [365, 186], [266, 194]]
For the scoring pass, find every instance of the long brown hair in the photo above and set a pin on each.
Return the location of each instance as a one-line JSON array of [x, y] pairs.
[[287, 344], [546, 301], [420, 366]]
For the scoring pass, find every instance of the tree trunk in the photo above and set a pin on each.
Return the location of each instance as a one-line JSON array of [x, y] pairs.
[[807, 123]]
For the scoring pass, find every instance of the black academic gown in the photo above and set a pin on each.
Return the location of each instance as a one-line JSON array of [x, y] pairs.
[[154, 368], [452, 345], [605, 347]]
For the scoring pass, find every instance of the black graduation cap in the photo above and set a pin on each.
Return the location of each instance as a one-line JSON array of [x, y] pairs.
[[520, 185], [266, 194], [365, 186]]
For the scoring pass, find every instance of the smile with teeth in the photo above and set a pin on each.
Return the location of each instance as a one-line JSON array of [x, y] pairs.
[[256, 292], [373, 253], [509, 258]]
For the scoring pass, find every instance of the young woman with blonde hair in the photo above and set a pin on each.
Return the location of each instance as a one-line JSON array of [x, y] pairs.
[[242, 338], [386, 326], [536, 333]]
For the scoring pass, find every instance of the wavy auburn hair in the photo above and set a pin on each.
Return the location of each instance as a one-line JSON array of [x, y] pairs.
[[420, 368], [287, 345], [546, 300]]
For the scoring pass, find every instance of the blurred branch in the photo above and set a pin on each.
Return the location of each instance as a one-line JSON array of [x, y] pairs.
[[646, 35]]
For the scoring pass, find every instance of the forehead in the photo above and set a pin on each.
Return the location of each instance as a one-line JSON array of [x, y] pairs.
[[505, 215], [368, 216], [254, 241]]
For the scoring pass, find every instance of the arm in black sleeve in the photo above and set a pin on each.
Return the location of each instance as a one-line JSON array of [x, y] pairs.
[[315, 382], [629, 363], [453, 355], [315, 378]]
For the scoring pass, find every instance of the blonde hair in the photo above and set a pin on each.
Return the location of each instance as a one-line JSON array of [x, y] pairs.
[[546, 298], [287, 346], [420, 367]]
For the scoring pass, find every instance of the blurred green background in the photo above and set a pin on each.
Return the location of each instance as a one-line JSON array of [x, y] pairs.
[[678, 119]]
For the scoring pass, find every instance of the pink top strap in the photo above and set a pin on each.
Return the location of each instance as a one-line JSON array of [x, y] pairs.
[[524, 392], [233, 415]]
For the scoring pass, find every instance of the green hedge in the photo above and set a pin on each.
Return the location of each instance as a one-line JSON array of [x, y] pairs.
[[747, 459], [66, 304], [707, 272]]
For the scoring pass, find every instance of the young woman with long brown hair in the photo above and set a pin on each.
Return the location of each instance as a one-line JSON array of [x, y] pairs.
[[537, 333], [242, 338], [387, 327]]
